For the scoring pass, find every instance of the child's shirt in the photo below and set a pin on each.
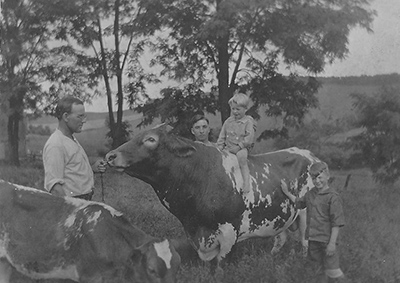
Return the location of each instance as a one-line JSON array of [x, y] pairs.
[[324, 211], [237, 133]]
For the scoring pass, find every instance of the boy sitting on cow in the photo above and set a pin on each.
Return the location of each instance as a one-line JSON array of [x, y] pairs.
[[237, 134]]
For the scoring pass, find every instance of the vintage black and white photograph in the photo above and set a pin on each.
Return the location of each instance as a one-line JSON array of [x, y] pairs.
[[199, 141]]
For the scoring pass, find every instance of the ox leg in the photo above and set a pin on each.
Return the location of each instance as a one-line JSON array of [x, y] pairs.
[[186, 250], [216, 270], [5, 271], [279, 241], [302, 230]]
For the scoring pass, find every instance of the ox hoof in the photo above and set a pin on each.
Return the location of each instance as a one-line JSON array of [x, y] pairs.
[[274, 251], [219, 274], [304, 252], [304, 249]]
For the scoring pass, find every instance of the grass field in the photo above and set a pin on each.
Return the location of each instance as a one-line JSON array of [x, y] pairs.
[[370, 241]]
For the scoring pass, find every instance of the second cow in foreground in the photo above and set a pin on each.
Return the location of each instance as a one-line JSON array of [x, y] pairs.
[[201, 186], [48, 237]]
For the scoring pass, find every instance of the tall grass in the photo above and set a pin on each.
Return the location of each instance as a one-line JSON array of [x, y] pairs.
[[371, 237], [369, 243]]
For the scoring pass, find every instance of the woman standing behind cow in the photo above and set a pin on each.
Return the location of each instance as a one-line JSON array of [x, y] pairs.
[[200, 128], [237, 134]]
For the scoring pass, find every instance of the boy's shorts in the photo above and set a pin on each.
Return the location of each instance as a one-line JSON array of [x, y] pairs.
[[317, 252]]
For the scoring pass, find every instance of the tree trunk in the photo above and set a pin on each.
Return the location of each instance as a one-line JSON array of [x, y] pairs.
[[119, 132], [16, 111], [223, 77], [102, 62], [118, 137], [13, 138]]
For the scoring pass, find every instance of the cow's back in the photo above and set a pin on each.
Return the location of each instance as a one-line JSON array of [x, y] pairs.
[[268, 211], [291, 165], [34, 232], [45, 237]]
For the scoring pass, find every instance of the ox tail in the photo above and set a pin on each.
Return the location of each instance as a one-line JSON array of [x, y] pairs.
[[208, 255], [185, 248], [346, 184]]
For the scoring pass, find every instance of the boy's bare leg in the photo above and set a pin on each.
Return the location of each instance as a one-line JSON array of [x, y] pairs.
[[5, 271], [246, 178], [244, 169], [302, 232]]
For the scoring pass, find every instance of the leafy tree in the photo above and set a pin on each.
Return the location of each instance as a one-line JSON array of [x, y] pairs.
[[288, 97], [379, 143], [104, 32], [177, 107], [240, 45], [24, 34]]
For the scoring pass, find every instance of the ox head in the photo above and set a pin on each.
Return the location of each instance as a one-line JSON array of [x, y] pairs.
[[147, 149], [155, 261]]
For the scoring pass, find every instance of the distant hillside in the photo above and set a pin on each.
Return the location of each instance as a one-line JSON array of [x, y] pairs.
[[94, 120], [90, 117], [334, 103], [334, 96], [377, 80]]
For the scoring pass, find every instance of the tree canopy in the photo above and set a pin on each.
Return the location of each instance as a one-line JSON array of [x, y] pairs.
[[211, 48], [240, 45], [25, 29]]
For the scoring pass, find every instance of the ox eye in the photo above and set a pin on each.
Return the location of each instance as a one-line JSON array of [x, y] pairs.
[[151, 139], [151, 142], [152, 272]]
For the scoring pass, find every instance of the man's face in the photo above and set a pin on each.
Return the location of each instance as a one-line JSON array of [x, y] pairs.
[[201, 130], [76, 118], [237, 111], [321, 181]]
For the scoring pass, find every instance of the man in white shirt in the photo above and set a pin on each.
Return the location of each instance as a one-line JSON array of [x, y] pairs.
[[66, 165]]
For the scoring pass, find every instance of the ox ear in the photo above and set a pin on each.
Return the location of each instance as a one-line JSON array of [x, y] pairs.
[[149, 260], [168, 128], [136, 256], [180, 147]]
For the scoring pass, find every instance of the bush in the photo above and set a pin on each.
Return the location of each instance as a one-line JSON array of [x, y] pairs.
[[39, 130], [379, 144], [320, 140], [115, 137]]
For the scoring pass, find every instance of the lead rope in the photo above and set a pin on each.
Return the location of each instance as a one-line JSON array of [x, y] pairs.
[[102, 187], [102, 183]]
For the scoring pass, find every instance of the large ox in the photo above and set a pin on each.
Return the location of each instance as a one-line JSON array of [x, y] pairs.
[[201, 186], [43, 236]]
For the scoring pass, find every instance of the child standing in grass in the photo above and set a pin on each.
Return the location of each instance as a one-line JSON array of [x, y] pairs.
[[324, 219], [237, 134]]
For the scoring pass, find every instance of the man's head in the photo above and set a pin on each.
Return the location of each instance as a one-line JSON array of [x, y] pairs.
[[239, 104], [70, 113], [319, 172], [200, 128]]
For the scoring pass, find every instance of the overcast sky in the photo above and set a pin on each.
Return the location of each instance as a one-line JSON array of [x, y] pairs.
[[370, 53], [376, 53]]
